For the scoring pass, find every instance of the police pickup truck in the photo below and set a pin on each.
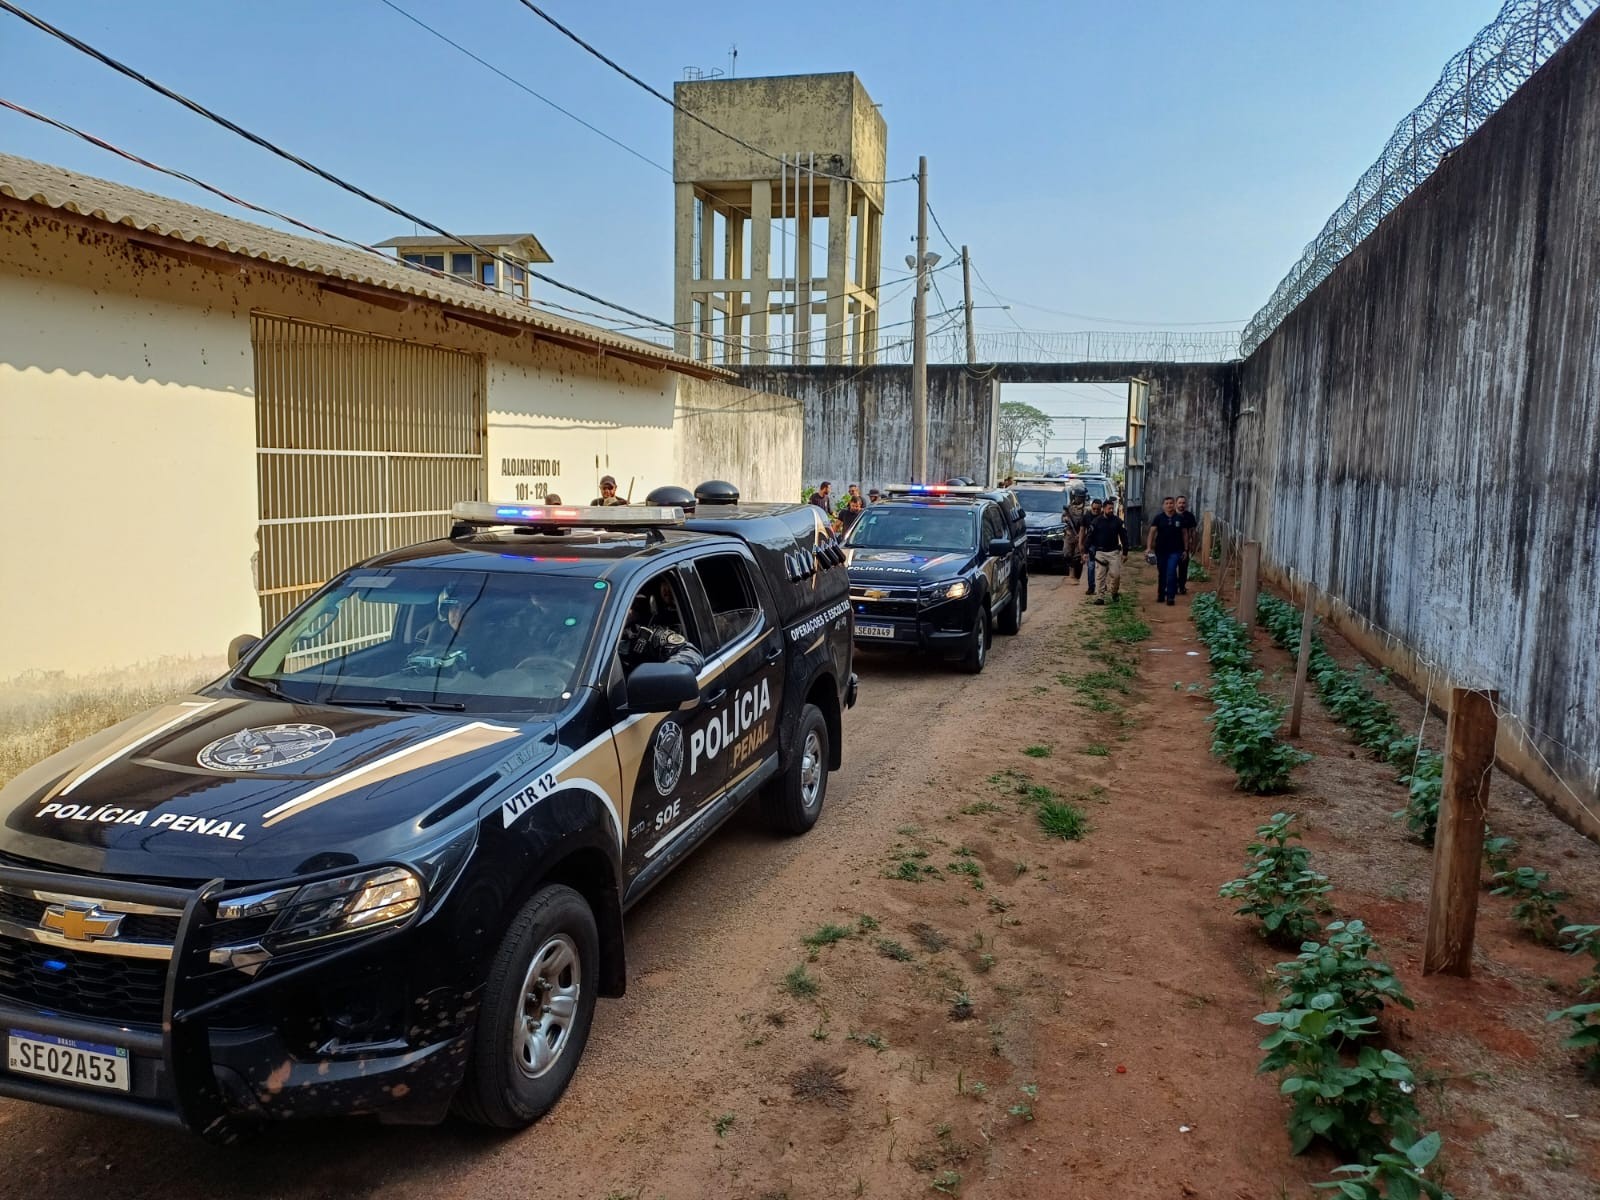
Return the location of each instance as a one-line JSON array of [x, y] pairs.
[[1050, 544], [938, 568], [381, 866]]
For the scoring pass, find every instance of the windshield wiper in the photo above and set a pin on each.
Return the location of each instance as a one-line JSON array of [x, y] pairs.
[[395, 702], [267, 686]]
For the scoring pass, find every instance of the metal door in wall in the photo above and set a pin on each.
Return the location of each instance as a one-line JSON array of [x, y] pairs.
[[362, 444]]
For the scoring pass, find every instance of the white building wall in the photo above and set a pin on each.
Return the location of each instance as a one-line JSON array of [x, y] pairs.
[[558, 423], [127, 477]]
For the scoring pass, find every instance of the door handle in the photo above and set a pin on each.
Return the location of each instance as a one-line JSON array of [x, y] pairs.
[[718, 696], [774, 653]]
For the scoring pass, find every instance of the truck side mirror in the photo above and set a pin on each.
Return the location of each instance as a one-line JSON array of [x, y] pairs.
[[240, 646], [662, 687], [999, 547]]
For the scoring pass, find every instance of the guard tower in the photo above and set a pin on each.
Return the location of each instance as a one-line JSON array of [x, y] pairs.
[[755, 220]]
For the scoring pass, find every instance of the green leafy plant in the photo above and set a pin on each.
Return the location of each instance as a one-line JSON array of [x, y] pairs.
[[800, 983], [1280, 887], [723, 1123], [1535, 907], [1024, 1108], [1392, 1176], [1497, 852], [1095, 750], [1344, 966], [1585, 1035], [1355, 1099], [1245, 727], [826, 935], [1037, 751], [872, 1041], [970, 868], [1425, 784], [893, 949], [1062, 820], [1584, 939]]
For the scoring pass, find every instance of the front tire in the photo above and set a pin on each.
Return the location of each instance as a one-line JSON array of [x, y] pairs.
[[1011, 615], [977, 654], [538, 1005], [793, 801]]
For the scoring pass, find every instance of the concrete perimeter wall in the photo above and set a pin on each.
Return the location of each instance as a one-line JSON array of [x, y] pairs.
[[858, 421], [1421, 437]]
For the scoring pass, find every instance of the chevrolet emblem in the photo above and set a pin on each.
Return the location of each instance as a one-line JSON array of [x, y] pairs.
[[874, 593], [81, 922]]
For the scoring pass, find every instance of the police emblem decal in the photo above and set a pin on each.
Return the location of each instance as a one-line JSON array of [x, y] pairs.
[[266, 747], [668, 764]]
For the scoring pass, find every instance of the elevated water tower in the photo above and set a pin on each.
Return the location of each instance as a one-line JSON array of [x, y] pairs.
[[780, 176]]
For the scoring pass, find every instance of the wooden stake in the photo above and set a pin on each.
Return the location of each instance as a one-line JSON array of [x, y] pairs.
[[1458, 846], [1205, 540], [1302, 666], [1249, 577]]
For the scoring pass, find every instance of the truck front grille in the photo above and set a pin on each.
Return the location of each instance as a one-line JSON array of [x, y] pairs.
[[79, 984], [138, 927]]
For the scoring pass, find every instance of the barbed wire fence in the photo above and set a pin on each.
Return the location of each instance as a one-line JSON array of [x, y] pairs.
[[1472, 86]]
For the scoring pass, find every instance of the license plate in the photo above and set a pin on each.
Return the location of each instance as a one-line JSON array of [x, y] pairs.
[[875, 631], [84, 1064]]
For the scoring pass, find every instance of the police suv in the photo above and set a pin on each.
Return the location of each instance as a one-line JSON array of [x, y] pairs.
[[381, 866], [1045, 500], [939, 568]]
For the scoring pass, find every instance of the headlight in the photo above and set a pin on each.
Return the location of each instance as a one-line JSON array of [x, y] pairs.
[[349, 904], [946, 591], [1056, 535]]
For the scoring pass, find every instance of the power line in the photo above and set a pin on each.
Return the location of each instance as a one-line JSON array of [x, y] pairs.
[[1076, 316], [517, 83], [272, 148], [669, 101]]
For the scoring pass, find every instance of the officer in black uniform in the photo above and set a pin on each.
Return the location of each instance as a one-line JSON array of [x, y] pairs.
[[647, 639]]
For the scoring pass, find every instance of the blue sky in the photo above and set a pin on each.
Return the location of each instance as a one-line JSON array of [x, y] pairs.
[[1157, 164]]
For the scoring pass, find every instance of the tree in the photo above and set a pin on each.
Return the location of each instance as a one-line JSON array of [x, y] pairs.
[[1020, 425]]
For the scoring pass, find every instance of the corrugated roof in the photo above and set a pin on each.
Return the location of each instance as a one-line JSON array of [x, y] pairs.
[[54, 187]]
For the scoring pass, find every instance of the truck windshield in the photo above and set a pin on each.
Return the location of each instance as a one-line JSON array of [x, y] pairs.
[[889, 527], [470, 640], [1042, 500]]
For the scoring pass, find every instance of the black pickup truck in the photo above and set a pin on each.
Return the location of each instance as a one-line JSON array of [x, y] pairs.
[[381, 866], [939, 568]]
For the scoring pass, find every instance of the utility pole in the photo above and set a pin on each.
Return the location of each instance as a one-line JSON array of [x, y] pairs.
[[919, 336], [966, 285]]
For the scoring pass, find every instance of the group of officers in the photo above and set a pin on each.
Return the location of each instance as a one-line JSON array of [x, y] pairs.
[[1099, 536]]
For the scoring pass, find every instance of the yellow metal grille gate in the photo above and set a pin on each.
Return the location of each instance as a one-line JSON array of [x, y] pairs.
[[362, 444]]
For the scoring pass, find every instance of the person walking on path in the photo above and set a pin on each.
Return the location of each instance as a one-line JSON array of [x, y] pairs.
[[1110, 538], [1166, 540], [823, 497], [1073, 519], [1191, 543], [1085, 545]]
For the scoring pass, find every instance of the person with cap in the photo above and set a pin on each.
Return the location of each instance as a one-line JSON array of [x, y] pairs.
[[608, 497], [874, 495], [1074, 519]]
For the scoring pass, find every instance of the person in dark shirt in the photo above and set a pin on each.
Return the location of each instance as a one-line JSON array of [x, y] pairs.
[[1191, 536], [1085, 549], [1109, 538], [851, 512], [1167, 538], [608, 497], [823, 497]]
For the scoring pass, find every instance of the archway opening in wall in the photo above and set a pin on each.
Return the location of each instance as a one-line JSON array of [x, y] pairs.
[[1048, 429]]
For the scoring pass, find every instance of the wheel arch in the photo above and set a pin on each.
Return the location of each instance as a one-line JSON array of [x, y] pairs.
[[824, 693]]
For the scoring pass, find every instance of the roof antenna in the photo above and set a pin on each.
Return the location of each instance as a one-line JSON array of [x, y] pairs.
[[733, 61]]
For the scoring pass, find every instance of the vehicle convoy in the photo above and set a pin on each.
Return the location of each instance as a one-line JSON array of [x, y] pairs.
[[939, 568], [381, 866], [1050, 544]]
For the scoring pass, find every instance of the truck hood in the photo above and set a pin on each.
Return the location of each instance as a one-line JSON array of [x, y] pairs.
[[225, 787], [903, 566], [1044, 521]]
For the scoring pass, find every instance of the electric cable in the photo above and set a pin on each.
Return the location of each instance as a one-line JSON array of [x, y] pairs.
[[673, 104], [280, 152]]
